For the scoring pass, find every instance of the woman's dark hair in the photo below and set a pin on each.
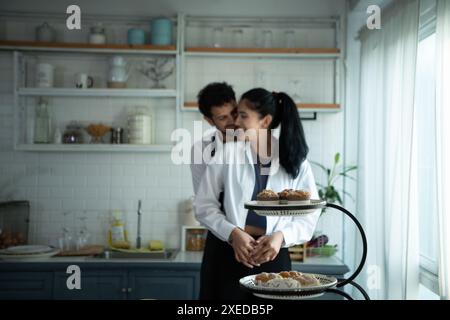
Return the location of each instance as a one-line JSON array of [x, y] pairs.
[[293, 147], [215, 95]]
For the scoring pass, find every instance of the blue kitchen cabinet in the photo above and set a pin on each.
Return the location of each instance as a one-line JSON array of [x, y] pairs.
[[174, 285], [94, 285], [25, 285]]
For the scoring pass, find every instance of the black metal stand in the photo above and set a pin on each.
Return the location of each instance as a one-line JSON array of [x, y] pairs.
[[343, 282]]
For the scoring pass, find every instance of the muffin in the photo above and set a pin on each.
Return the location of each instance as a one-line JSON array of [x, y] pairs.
[[283, 195], [290, 196], [267, 197]]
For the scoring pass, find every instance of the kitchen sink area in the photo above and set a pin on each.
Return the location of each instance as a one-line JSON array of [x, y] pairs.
[[166, 255]]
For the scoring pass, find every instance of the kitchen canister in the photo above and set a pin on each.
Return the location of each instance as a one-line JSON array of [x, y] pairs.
[[44, 75], [97, 34], [45, 33], [161, 31], [136, 36], [140, 127]]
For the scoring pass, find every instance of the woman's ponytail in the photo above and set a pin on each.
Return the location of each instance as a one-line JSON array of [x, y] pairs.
[[293, 148]]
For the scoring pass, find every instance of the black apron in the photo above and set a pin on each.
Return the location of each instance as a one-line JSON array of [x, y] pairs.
[[220, 272]]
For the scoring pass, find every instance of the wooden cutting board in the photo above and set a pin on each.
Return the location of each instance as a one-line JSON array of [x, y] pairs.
[[90, 250]]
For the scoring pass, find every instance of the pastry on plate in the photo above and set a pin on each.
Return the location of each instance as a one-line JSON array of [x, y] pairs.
[[286, 280], [290, 196], [267, 197]]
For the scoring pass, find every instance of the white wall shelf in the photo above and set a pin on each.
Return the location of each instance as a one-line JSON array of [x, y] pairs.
[[319, 62], [281, 53], [70, 92], [248, 53], [94, 147], [302, 107], [87, 48]]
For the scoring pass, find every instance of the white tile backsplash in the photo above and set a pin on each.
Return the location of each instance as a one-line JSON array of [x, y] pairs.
[[101, 182]]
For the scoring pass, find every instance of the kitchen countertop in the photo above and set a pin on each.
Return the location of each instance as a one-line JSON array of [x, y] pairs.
[[329, 265]]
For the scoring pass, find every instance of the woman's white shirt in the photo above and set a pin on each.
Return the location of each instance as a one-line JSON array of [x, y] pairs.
[[237, 180]]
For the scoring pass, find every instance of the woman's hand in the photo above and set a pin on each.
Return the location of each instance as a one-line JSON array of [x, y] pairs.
[[243, 245], [267, 248]]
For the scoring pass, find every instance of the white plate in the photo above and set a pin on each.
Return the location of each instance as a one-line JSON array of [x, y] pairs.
[[27, 249], [26, 257], [285, 209], [325, 282], [281, 297]]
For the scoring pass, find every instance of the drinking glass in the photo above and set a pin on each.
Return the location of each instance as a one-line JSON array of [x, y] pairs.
[[238, 38], [296, 90], [267, 39], [65, 241], [83, 234], [217, 37], [289, 38]]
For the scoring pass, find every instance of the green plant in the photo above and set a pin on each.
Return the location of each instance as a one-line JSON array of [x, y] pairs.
[[328, 192]]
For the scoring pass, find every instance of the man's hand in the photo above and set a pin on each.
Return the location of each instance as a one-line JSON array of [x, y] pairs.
[[267, 248], [243, 245]]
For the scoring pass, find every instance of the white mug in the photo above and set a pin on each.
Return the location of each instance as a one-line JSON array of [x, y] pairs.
[[83, 81], [44, 75]]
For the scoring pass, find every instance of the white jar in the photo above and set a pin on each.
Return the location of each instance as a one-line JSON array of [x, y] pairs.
[[44, 75], [140, 129], [97, 35]]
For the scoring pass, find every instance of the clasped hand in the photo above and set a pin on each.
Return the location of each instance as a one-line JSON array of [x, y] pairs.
[[251, 252]]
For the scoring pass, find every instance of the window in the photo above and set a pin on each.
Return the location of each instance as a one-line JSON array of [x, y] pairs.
[[425, 169]]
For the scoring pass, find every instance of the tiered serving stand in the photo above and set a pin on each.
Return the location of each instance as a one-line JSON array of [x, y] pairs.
[[327, 283]]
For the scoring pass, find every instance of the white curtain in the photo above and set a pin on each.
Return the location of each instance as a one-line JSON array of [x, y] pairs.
[[385, 188], [443, 142]]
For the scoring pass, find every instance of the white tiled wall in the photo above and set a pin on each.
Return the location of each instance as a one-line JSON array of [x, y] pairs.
[[93, 184]]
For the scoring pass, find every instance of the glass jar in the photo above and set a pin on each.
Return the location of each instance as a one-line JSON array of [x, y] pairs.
[[195, 240], [97, 35], [73, 133]]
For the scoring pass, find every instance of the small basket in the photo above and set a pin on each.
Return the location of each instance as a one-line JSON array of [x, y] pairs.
[[299, 252]]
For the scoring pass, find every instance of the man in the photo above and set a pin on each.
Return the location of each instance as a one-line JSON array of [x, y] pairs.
[[217, 103]]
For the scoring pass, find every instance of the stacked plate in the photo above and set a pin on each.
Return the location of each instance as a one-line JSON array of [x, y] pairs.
[[28, 252], [249, 284], [285, 209]]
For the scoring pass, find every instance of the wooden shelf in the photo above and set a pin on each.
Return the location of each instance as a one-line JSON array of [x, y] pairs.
[[94, 148], [265, 52], [85, 47], [310, 107], [102, 92]]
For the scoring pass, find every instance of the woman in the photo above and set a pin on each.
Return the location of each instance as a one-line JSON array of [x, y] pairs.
[[245, 242]]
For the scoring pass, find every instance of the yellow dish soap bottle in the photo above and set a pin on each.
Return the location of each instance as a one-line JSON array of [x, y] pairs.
[[118, 235]]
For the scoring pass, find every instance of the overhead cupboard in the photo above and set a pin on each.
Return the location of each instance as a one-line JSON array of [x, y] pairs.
[[74, 85]]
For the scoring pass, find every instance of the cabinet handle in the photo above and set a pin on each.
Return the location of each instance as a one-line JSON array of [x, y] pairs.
[[129, 289]]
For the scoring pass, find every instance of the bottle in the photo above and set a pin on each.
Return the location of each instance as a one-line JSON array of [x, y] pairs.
[[57, 136], [42, 123], [118, 235]]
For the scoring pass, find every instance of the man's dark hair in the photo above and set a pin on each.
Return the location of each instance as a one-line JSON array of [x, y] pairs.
[[215, 95]]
